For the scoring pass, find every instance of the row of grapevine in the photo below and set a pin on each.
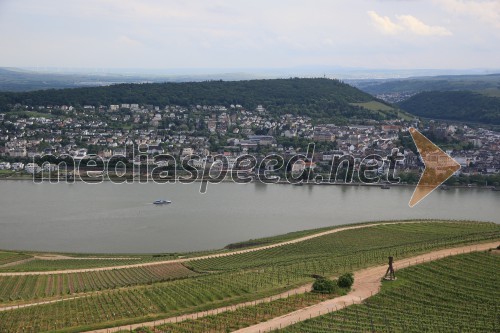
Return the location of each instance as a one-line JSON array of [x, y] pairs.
[[11, 257], [32, 287], [245, 316], [168, 298], [455, 294], [403, 238], [209, 291], [38, 265]]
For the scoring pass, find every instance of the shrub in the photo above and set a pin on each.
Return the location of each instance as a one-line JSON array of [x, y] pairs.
[[324, 286], [143, 330], [346, 280]]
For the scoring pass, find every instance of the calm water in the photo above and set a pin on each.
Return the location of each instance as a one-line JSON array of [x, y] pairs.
[[120, 218]]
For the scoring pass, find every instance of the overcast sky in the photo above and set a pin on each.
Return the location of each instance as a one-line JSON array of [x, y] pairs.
[[402, 34]]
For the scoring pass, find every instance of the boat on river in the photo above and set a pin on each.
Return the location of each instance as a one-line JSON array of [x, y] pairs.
[[162, 202]]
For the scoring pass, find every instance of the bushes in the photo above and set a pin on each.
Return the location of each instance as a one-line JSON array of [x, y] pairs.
[[325, 286], [346, 281]]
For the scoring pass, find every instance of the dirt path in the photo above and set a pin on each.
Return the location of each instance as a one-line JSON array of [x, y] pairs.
[[50, 257], [19, 262], [20, 306], [366, 283], [293, 241], [62, 257]]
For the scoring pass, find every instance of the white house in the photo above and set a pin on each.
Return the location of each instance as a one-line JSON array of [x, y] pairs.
[[32, 168]]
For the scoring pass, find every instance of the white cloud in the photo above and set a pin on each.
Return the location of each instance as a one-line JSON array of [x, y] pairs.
[[487, 11], [420, 28], [406, 23], [259, 33], [127, 41], [384, 24]]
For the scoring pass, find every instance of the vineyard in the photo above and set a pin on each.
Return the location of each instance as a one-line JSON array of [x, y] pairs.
[[143, 303], [325, 255], [40, 265], [131, 295], [246, 316], [455, 294], [29, 287], [11, 257], [375, 242]]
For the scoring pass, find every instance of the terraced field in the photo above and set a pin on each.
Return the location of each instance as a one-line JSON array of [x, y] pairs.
[[40, 265], [357, 246], [455, 294], [11, 257], [36, 287], [238, 281], [145, 303], [243, 317]]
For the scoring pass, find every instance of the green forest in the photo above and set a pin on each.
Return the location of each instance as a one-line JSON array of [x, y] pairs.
[[318, 98], [454, 105]]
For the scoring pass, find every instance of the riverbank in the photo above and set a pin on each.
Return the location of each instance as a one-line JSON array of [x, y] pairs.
[[228, 179]]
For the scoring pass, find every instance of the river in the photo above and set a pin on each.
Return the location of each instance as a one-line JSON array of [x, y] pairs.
[[117, 218]]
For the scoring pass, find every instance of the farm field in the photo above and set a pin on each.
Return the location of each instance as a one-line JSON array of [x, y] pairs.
[[374, 106], [455, 294], [246, 316], [40, 265], [344, 251], [82, 262], [357, 245], [36, 287], [413, 303], [238, 278], [12, 257]]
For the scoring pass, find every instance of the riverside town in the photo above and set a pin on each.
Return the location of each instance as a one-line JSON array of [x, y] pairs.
[[163, 168]]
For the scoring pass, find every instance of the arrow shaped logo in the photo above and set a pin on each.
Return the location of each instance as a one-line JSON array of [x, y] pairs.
[[439, 166]]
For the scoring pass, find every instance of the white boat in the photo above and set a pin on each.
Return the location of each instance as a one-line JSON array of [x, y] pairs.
[[161, 202]]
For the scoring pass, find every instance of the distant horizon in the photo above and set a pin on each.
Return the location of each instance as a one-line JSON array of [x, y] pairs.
[[263, 72]]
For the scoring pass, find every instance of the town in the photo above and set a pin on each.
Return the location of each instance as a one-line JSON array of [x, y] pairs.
[[81, 132]]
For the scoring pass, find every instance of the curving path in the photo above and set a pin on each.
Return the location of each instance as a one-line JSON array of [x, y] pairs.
[[224, 254], [367, 282]]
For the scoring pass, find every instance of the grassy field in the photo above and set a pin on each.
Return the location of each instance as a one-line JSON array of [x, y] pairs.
[[492, 92], [455, 294], [384, 109], [238, 278], [374, 106]]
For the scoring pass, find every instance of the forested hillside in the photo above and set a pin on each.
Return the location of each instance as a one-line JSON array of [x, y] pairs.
[[479, 83], [318, 98], [454, 105]]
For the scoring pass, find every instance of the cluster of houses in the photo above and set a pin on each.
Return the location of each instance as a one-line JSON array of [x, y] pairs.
[[206, 130]]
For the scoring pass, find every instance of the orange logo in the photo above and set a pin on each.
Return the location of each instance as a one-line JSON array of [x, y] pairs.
[[439, 166]]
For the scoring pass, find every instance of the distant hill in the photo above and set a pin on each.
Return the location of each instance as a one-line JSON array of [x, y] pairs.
[[318, 98], [480, 83], [454, 105], [14, 79]]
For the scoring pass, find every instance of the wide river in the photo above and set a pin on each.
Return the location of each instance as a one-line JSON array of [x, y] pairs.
[[120, 218]]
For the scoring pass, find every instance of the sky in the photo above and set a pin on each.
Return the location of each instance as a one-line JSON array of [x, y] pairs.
[[231, 34]]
